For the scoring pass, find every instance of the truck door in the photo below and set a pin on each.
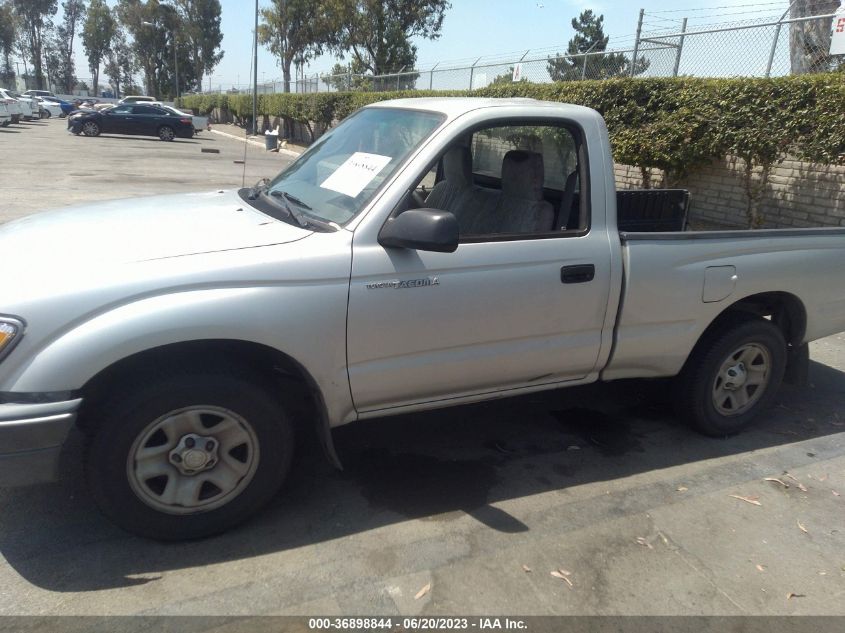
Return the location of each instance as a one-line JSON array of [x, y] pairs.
[[521, 302]]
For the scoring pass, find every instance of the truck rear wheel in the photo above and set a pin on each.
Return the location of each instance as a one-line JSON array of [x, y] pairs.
[[732, 376], [186, 456]]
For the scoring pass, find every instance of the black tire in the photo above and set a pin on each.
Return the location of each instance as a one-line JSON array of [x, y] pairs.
[[127, 416], [90, 128], [699, 382], [166, 133]]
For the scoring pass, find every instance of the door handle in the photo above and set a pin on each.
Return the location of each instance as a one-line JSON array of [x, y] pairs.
[[578, 274]]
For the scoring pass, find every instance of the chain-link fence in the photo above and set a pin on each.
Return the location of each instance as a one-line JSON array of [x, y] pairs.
[[763, 46], [761, 39]]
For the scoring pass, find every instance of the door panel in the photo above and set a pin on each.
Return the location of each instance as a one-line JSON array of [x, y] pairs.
[[491, 315]]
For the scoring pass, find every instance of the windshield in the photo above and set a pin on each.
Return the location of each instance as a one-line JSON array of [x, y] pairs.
[[341, 172]]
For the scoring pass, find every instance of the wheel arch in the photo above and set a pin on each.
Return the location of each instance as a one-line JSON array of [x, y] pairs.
[[785, 310], [278, 369]]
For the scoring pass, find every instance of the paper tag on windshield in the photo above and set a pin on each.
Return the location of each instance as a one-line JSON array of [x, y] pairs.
[[355, 173]]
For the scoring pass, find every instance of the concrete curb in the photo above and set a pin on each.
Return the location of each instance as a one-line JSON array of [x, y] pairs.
[[286, 152]]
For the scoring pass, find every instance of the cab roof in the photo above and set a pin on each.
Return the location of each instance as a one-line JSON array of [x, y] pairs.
[[455, 106]]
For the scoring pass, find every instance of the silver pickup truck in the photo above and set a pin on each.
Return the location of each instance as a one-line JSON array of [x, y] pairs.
[[424, 253]]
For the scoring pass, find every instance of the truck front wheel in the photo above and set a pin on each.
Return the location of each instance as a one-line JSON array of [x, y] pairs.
[[732, 376], [190, 455]]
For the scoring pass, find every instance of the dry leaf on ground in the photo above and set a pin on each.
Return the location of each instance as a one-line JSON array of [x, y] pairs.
[[791, 595], [791, 477], [777, 481], [641, 540], [751, 500], [526, 569], [835, 494], [802, 487], [423, 591], [682, 488], [563, 575], [761, 568], [802, 528]]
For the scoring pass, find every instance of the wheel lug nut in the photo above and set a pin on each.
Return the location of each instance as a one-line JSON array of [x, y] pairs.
[[176, 458], [190, 442], [209, 446]]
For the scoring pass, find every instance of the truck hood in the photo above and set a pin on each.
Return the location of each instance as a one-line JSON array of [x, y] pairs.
[[136, 230]]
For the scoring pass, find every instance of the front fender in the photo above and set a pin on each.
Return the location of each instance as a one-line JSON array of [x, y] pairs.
[[291, 319]]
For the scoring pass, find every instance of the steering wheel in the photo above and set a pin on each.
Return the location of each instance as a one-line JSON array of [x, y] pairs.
[[418, 200]]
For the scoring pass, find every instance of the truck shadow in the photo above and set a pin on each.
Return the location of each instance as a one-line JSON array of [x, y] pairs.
[[436, 466]]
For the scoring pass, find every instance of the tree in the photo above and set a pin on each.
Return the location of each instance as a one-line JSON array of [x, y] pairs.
[[377, 34], [120, 63], [296, 31], [53, 59], [73, 14], [202, 35], [34, 18], [348, 77], [809, 42], [97, 33], [8, 35], [146, 23], [506, 78], [590, 37]]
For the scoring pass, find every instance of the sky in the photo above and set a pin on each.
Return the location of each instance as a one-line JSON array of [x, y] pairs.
[[476, 28]]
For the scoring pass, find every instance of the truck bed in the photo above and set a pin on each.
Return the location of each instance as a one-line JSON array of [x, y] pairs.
[[677, 283]]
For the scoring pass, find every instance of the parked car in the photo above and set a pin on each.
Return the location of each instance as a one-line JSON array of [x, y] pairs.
[[200, 122], [49, 108], [141, 120], [29, 107], [5, 115], [180, 331], [66, 106], [14, 107], [38, 93], [137, 99]]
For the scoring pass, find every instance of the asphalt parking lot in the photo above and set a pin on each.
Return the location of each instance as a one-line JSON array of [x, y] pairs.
[[465, 511], [46, 167]]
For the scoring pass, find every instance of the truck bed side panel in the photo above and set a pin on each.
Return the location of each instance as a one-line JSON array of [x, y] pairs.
[[663, 312]]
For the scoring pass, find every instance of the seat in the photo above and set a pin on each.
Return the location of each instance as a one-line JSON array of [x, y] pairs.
[[457, 178], [569, 218], [520, 207], [457, 194]]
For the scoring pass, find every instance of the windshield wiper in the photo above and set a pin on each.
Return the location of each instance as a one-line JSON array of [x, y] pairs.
[[304, 219], [293, 199], [258, 188]]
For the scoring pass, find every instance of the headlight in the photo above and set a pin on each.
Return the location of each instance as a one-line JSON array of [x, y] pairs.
[[10, 331]]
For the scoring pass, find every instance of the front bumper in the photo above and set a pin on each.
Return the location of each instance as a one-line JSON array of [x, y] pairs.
[[31, 439]]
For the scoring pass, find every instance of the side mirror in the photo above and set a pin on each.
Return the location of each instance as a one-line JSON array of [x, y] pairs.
[[422, 230]]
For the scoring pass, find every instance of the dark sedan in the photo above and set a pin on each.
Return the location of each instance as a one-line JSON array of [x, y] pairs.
[[143, 120]]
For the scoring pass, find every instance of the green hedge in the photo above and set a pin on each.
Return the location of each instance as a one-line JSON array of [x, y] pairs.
[[671, 124]]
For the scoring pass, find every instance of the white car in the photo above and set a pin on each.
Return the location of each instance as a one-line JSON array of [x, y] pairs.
[[200, 122], [49, 108], [38, 93], [5, 115], [29, 108], [136, 99], [14, 108]]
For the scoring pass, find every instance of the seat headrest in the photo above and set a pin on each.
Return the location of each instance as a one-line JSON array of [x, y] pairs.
[[457, 166], [522, 174]]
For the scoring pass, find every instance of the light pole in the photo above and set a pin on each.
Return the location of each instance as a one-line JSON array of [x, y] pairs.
[[175, 55], [255, 74]]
